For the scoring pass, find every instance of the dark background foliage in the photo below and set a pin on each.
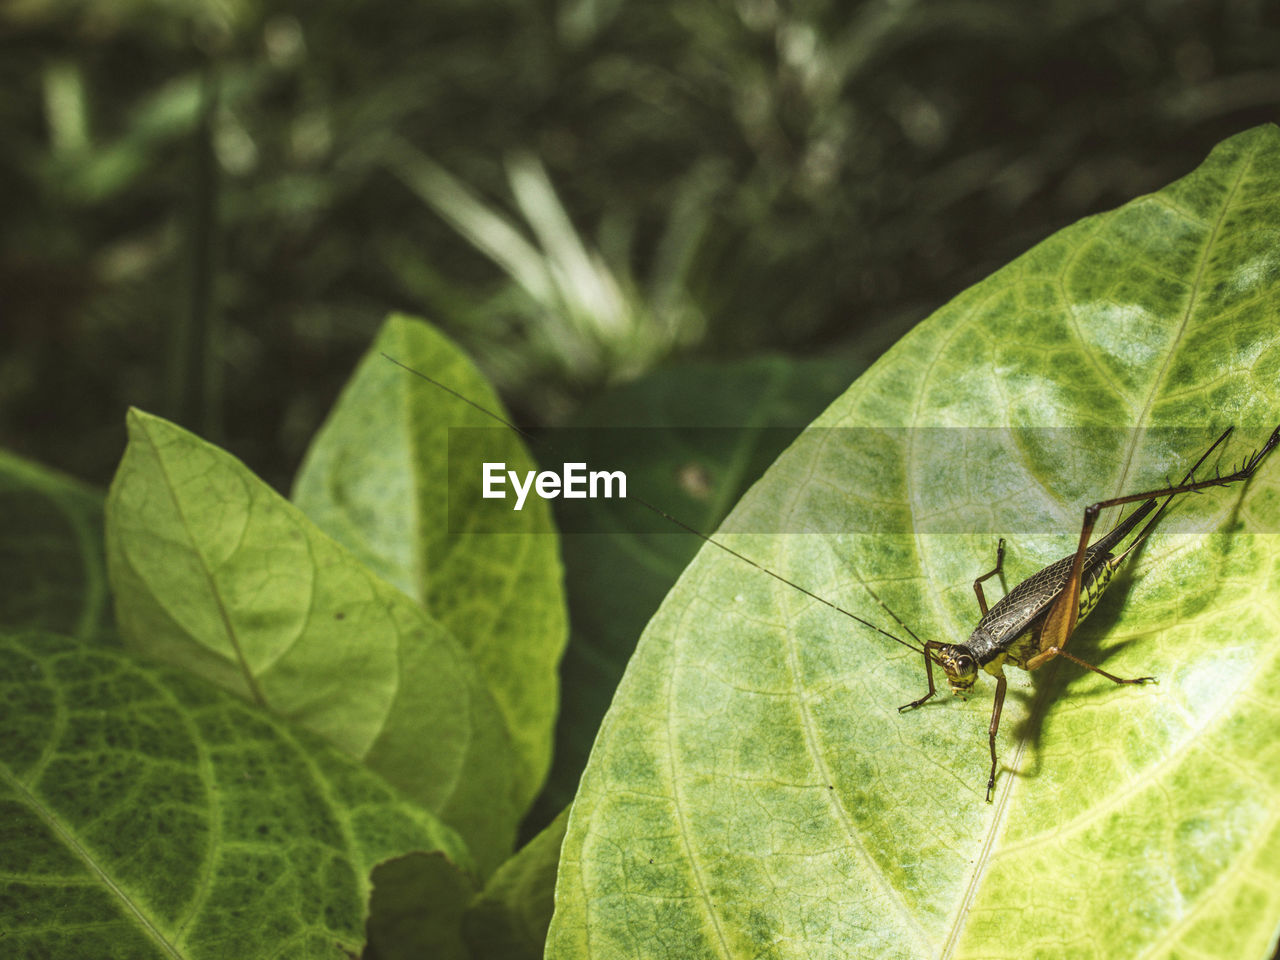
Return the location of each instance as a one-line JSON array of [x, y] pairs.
[[209, 207]]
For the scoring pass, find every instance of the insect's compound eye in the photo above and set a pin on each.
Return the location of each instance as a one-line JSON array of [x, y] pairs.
[[965, 665]]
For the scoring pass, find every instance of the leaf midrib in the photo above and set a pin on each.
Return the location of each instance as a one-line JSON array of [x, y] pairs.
[[214, 589], [1040, 704], [72, 844]]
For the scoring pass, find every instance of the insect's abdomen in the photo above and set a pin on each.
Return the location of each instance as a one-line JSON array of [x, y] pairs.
[[1024, 609], [1092, 587]]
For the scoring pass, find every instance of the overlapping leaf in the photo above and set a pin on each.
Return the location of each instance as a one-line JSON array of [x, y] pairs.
[[754, 791], [146, 814], [214, 571], [510, 916], [377, 479]]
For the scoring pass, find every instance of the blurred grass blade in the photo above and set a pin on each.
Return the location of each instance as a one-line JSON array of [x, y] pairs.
[[587, 291], [476, 222]]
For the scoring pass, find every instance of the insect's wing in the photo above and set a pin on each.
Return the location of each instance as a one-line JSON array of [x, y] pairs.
[[1029, 600]]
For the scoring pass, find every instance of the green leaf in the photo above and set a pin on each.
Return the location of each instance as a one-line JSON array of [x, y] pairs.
[[214, 571], [754, 791], [418, 904], [509, 918], [145, 813], [377, 479], [617, 575], [52, 570]]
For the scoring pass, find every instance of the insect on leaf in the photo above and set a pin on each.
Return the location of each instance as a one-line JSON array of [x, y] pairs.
[[754, 791]]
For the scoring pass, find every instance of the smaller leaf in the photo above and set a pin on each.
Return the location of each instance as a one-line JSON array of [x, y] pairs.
[[377, 479], [216, 572], [145, 811]]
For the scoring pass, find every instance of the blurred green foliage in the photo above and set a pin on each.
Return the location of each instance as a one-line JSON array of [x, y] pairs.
[[209, 207]]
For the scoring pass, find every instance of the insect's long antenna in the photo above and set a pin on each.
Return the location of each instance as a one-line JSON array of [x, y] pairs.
[[887, 609], [680, 523], [467, 400]]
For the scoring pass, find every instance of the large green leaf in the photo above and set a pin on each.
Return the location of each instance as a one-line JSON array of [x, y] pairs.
[[146, 814], [53, 573], [754, 791], [673, 455], [213, 570], [376, 478]]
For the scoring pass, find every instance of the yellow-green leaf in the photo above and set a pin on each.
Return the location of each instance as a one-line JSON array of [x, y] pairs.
[[376, 478], [754, 791], [214, 571]]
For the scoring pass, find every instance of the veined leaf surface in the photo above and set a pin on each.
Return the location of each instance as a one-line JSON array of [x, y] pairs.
[[754, 791], [376, 479], [216, 572], [146, 814]]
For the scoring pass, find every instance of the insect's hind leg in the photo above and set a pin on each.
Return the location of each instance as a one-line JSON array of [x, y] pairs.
[[996, 708], [1051, 652], [998, 570], [1061, 620], [1187, 485]]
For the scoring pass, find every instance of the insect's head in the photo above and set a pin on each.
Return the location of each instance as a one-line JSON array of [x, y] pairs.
[[960, 666]]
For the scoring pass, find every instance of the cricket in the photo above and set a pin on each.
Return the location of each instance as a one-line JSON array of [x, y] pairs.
[[1033, 623]]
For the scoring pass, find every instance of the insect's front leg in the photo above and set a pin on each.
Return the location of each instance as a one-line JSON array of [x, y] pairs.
[[928, 672], [998, 571], [1001, 685]]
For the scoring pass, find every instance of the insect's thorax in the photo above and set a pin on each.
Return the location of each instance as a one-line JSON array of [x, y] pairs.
[[1010, 631]]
